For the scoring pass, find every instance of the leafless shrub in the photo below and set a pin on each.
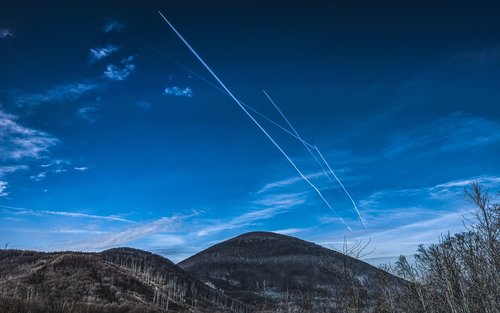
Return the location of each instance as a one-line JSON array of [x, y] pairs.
[[459, 274]]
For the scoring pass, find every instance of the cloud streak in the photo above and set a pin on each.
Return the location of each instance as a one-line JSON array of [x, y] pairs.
[[163, 224], [20, 142], [3, 186], [5, 33], [456, 131], [120, 73], [23, 211], [179, 92], [99, 53], [62, 93], [112, 25]]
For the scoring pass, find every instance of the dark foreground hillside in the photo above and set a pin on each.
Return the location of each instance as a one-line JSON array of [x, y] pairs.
[[254, 272], [278, 272], [116, 280]]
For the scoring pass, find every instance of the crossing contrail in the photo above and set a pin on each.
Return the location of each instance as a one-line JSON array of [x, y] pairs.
[[314, 156], [342, 185], [297, 134], [208, 82], [252, 118]]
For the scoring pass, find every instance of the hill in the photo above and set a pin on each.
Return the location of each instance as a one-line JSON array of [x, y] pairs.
[[116, 280], [273, 271]]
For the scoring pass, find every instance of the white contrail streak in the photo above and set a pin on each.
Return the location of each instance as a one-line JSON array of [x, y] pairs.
[[320, 154], [208, 82], [342, 185], [252, 118], [297, 134]]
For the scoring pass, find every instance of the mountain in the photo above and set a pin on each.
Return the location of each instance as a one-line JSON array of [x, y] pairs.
[[116, 280], [254, 272], [273, 271]]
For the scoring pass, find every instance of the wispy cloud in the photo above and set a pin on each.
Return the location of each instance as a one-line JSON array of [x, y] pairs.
[[87, 113], [119, 73], [3, 186], [62, 93], [288, 182], [38, 177], [243, 220], [163, 224], [453, 132], [81, 168], [20, 142], [179, 92], [288, 231], [144, 105], [112, 25], [8, 169], [274, 205], [23, 211], [99, 53], [4, 33]]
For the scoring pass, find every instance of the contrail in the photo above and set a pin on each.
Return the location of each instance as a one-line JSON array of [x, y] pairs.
[[252, 118], [314, 156], [297, 134], [342, 185], [307, 144]]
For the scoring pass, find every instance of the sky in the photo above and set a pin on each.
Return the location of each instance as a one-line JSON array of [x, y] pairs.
[[112, 133]]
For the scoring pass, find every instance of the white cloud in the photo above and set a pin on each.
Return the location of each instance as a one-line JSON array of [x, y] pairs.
[[243, 220], [163, 224], [4, 33], [179, 92], [99, 53], [20, 142], [81, 168], [119, 73], [23, 211], [38, 177], [288, 231], [62, 93], [8, 169], [274, 205], [112, 25], [3, 186], [288, 182]]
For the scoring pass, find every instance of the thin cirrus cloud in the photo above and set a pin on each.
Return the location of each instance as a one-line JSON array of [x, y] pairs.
[[112, 25], [179, 92], [61, 93], [28, 212], [5, 33], [456, 131], [99, 53], [164, 224], [88, 113], [20, 142], [274, 205], [120, 73]]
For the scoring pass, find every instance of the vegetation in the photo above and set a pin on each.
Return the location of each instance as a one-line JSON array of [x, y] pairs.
[[460, 274]]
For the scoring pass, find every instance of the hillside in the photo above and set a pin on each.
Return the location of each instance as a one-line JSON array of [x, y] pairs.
[[116, 280], [271, 271]]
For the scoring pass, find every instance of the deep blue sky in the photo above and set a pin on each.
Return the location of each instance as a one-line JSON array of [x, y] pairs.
[[109, 137]]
